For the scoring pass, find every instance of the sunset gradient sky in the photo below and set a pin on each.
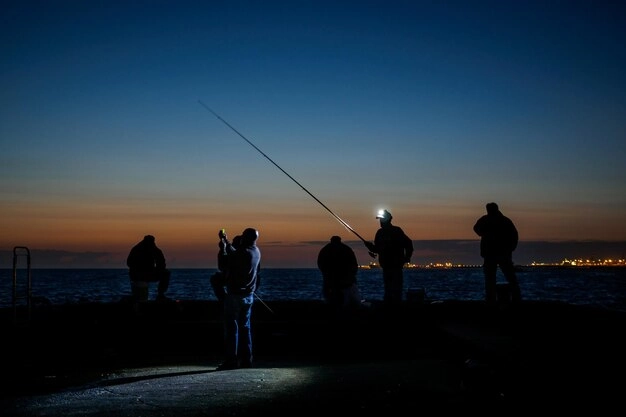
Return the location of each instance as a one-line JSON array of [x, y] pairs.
[[428, 109]]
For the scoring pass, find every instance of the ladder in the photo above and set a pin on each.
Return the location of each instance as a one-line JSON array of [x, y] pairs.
[[26, 294]]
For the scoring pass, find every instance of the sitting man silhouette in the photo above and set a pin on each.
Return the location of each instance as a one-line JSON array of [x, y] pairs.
[[146, 264], [338, 264]]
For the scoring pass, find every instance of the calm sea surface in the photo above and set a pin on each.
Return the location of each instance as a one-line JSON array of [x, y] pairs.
[[602, 286]]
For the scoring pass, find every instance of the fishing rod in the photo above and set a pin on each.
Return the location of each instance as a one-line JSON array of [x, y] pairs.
[[263, 302], [346, 225]]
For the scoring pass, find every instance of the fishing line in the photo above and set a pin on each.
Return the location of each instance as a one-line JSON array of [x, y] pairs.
[[346, 225], [263, 302]]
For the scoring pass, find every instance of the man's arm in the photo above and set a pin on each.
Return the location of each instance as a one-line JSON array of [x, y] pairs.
[[514, 236], [159, 259], [408, 249], [478, 227]]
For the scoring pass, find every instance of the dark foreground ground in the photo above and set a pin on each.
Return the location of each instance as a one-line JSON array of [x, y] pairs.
[[159, 359]]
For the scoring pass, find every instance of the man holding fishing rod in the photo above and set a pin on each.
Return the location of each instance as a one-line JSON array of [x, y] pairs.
[[394, 249], [391, 243], [242, 280]]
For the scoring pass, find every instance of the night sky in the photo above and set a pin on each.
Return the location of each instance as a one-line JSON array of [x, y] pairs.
[[428, 109]]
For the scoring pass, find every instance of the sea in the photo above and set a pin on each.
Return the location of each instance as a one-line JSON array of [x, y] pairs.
[[603, 287]]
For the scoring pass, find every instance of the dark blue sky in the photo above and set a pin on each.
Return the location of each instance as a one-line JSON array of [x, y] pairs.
[[429, 109]]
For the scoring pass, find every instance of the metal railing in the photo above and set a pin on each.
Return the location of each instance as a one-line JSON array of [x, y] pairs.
[[26, 294]]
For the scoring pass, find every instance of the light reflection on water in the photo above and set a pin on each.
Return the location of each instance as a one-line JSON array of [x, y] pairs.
[[605, 287]]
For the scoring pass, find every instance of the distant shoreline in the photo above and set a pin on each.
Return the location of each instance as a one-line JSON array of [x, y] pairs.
[[361, 267], [426, 252]]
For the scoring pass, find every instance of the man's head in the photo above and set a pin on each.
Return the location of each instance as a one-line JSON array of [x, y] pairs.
[[249, 236], [384, 216], [335, 239], [492, 208], [149, 239]]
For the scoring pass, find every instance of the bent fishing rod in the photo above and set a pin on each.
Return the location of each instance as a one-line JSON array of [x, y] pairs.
[[346, 225]]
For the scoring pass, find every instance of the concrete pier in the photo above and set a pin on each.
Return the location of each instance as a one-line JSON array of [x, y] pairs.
[[154, 358]]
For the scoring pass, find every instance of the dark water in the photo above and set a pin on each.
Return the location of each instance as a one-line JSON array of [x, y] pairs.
[[602, 286]]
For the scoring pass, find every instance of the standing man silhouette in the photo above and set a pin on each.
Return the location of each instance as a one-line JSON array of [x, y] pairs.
[[394, 249], [498, 240], [242, 280]]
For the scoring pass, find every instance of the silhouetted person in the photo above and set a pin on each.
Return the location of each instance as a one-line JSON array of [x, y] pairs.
[[338, 264], [218, 279], [146, 264], [498, 240], [242, 280], [394, 249]]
